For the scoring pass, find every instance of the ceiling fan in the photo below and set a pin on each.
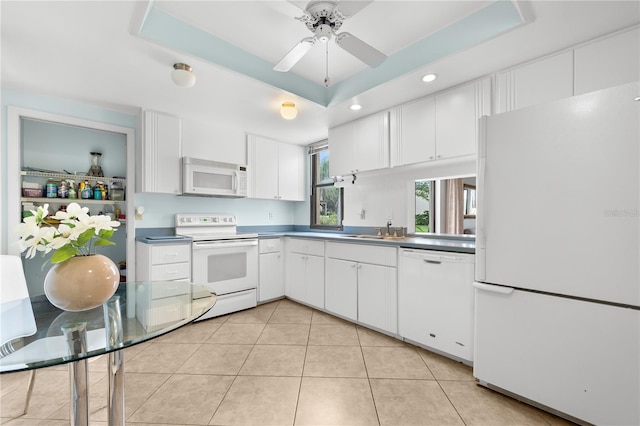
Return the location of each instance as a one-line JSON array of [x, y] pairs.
[[323, 19]]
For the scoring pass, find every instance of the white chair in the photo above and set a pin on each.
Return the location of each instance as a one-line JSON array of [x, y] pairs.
[[16, 315]]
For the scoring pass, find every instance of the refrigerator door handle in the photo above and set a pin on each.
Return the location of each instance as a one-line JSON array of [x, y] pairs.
[[492, 288], [480, 272]]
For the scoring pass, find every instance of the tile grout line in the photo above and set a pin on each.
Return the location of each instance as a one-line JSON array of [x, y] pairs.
[[364, 361], [441, 388]]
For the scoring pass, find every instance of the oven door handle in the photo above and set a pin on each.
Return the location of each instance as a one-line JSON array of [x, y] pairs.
[[199, 245]]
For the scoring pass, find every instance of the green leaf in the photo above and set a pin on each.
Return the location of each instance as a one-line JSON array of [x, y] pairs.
[[104, 243], [106, 234], [64, 253], [85, 237]]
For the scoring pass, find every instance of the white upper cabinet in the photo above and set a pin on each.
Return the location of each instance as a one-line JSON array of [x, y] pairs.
[[439, 127], [291, 172], [360, 145], [603, 63], [341, 147], [457, 113], [546, 80], [413, 132], [608, 62], [159, 154], [276, 169]]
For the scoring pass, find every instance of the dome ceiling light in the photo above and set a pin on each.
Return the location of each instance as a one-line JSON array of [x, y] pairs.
[[288, 111], [182, 75]]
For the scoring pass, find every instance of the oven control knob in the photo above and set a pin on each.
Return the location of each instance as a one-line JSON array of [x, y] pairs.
[[216, 219]]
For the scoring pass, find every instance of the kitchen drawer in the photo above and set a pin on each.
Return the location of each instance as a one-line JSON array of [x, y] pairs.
[[377, 255], [170, 253], [301, 245], [177, 288], [164, 311], [172, 272], [269, 245]]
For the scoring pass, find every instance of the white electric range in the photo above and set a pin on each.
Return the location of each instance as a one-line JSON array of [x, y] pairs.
[[222, 259]]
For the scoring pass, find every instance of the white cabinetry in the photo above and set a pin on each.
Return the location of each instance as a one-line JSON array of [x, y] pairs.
[[435, 300], [271, 281], [439, 127], [164, 262], [457, 114], [304, 276], [608, 62], [360, 145], [545, 80], [413, 132], [361, 284], [164, 302], [159, 153], [276, 169]]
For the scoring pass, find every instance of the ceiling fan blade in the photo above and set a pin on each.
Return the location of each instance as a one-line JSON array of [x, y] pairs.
[[350, 8], [361, 50], [295, 54], [302, 4]]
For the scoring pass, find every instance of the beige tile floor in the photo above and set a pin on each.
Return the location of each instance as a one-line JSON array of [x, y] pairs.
[[281, 363]]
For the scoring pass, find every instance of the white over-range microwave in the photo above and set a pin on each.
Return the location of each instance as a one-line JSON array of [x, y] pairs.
[[213, 178]]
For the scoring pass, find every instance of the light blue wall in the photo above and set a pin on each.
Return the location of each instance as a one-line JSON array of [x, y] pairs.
[[159, 209]]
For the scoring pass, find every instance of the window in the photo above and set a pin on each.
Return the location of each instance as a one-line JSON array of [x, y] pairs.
[[445, 206], [425, 201], [326, 200]]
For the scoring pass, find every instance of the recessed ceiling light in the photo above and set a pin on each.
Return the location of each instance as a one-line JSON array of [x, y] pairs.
[[355, 107], [637, 98], [428, 78]]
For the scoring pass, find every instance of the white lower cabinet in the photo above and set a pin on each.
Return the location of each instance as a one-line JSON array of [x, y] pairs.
[[341, 288], [361, 284], [271, 279], [436, 300], [163, 262], [304, 277], [164, 302]]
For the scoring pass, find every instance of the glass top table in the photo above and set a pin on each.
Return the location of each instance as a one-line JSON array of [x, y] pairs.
[[138, 312]]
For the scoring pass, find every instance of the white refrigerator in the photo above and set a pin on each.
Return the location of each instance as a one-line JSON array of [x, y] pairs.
[[557, 303]]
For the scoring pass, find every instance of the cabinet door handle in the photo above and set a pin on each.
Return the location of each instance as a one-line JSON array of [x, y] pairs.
[[433, 262]]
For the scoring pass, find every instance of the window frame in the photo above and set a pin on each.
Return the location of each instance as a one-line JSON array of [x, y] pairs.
[[314, 159]]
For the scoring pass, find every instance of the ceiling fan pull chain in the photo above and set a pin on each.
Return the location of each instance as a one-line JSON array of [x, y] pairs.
[[326, 78]]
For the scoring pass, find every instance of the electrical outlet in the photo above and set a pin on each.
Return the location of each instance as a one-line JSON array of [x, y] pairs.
[[270, 215]]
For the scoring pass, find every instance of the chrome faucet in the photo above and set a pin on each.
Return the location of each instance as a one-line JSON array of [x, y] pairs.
[[388, 228]]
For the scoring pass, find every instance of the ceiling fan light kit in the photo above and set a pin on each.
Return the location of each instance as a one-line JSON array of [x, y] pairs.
[[323, 19], [182, 75], [288, 111]]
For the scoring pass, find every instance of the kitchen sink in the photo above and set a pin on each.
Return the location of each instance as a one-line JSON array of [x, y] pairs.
[[376, 237]]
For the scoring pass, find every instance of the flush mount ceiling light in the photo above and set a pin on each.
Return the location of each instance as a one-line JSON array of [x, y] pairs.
[[355, 107], [288, 110], [182, 75], [428, 78]]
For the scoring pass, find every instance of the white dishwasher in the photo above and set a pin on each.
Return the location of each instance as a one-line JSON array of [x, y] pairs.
[[435, 301]]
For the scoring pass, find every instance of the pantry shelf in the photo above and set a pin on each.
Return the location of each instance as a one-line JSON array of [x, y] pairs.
[[77, 178], [69, 200]]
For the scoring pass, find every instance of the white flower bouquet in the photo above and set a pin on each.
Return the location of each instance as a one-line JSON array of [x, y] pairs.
[[77, 233]]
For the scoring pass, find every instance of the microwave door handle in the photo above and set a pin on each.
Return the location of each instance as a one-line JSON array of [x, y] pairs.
[[236, 181]]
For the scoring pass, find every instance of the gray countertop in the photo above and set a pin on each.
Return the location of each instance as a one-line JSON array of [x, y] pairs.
[[426, 243]]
